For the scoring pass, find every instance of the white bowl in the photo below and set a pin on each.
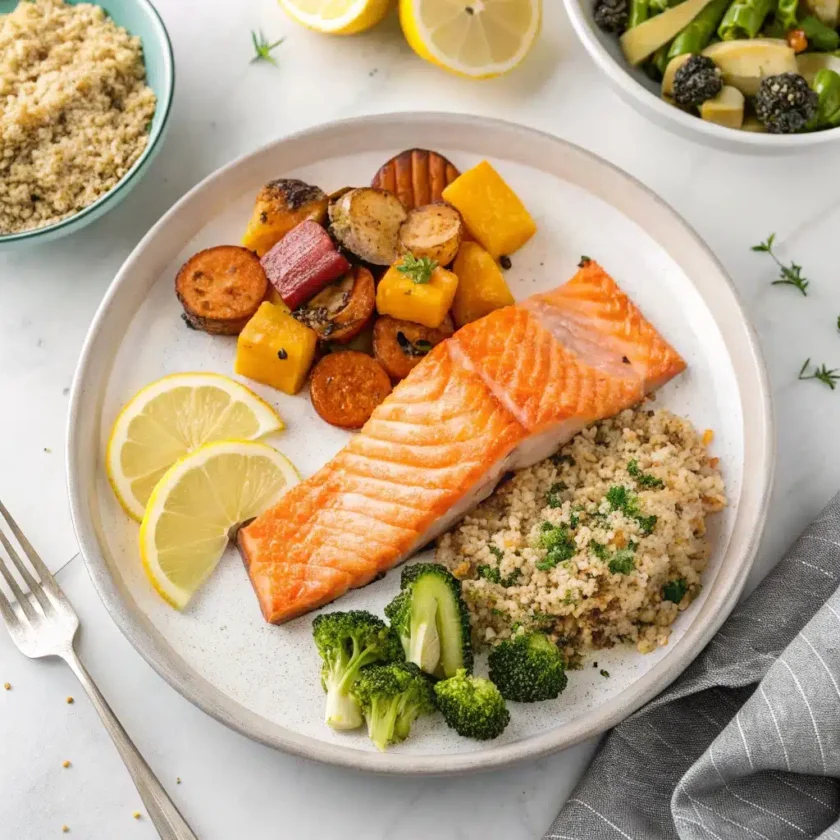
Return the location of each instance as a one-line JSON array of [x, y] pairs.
[[635, 88]]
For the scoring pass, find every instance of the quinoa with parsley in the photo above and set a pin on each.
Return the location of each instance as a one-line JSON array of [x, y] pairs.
[[74, 110], [600, 544]]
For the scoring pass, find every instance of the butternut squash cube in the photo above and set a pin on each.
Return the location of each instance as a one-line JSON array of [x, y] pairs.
[[275, 349], [273, 296], [491, 210], [424, 303], [481, 286]]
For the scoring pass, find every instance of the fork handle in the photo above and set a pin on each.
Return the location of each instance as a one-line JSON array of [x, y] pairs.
[[166, 817]]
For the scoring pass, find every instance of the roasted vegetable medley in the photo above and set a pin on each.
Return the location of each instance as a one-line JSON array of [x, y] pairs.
[[756, 65], [359, 285]]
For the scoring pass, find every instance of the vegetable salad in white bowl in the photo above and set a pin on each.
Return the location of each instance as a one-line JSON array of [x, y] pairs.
[[742, 75]]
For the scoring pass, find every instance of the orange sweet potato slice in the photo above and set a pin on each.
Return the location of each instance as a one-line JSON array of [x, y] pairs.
[[346, 387]]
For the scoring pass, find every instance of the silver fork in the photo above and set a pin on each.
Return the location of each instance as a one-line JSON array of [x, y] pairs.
[[42, 623]]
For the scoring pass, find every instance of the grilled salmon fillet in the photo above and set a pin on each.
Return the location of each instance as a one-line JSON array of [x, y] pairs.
[[504, 392]]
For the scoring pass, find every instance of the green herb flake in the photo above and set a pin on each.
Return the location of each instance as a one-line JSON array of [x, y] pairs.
[[644, 479], [789, 275], [552, 498], [604, 673], [262, 48], [622, 562], [559, 458], [620, 498], [558, 543], [496, 551], [674, 591], [418, 270], [489, 573]]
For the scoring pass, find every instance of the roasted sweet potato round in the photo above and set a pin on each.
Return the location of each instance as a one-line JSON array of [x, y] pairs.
[[221, 288], [346, 387], [416, 177], [400, 345], [343, 309]]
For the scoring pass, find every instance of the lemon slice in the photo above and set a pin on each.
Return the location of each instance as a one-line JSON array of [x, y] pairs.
[[476, 38], [174, 416], [196, 506], [337, 17]]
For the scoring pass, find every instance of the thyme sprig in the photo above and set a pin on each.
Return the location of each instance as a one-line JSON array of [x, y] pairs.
[[822, 374], [262, 48], [790, 275], [417, 269]]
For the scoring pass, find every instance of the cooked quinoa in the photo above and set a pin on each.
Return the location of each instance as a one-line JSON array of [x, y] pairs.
[[602, 543], [74, 110]]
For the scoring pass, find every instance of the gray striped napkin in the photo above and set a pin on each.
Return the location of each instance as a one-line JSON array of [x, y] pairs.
[[746, 743]]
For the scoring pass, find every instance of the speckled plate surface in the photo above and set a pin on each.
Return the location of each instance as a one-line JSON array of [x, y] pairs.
[[263, 680]]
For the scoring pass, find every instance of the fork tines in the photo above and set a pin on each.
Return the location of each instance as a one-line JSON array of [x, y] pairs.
[[35, 577]]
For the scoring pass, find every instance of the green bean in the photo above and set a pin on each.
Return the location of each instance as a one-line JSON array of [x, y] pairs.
[[826, 85], [696, 35], [658, 6], [786, 14], [820, 36], [639, 13], [744, 18], [660, 59]]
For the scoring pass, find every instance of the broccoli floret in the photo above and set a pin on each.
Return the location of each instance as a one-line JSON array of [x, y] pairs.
[[347, 641], [432, 620], [558, 543], [674, 590], [472, 706], [392, 697], [611, 16], [696, 81], [785, 103], [528, 668]]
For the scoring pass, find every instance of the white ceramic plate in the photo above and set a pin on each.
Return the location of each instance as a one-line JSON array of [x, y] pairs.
[[263, 680]]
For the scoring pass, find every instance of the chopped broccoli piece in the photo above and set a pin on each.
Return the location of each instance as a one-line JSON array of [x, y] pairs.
[[472, 706], [620, 498], [553, 499], [528, 668], [496, 551], [674, 590], [622, 562], [490, 573], [558, 543], [347, 641], [432, 620], [644, 479], [392, 697]]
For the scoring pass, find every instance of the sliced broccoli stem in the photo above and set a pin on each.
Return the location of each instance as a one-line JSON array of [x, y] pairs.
[[343, 711], [382, 720], [436, 627], [424, 640]]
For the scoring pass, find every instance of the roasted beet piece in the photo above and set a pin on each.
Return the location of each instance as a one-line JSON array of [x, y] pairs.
[[302, 263]]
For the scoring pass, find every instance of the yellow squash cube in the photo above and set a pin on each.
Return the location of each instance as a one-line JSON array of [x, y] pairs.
[[491, 210], [275, 349], [481, 285], [424, 303]]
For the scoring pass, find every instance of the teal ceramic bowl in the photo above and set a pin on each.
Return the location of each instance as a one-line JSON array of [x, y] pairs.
[[140, 18]]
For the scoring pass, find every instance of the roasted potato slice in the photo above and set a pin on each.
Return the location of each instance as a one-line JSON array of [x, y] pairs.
[[400, 345], [434, 231], [416, 177], [221, 288], [346, 387], [366, 222], [343, 309], [280, 206]]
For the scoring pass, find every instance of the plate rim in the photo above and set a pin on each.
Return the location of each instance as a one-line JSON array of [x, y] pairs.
[[144, 637]]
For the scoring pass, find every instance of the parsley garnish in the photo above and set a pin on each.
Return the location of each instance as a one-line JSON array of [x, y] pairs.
[[622, 562], [553, 496], [620, 498], [674, 590], [644, 479], [822, 373], [496, 551], [574, 517], [604, 673], [419, 270], [558, 543], [790, 275], [489, 573], [263, 48]]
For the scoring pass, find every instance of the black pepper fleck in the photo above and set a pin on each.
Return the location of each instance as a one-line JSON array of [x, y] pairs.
[[263, 217], [187, 321], [504, 262], [470, 10], [625, 360], [282, 354]]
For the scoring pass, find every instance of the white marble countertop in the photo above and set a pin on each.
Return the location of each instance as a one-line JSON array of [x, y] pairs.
[[225, 106]]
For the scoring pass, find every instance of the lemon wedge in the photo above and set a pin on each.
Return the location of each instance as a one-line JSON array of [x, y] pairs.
[[171, 417], [475, 38], [337, 17], [196, 506]]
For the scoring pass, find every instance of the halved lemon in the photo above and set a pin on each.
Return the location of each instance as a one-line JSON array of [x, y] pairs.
[[195, 508], [475, 38], [337, 17], [171, 417]]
